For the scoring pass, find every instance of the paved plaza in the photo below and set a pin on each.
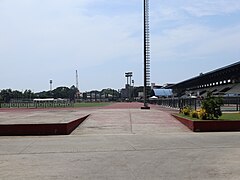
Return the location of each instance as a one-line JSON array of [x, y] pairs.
[[122, 142]]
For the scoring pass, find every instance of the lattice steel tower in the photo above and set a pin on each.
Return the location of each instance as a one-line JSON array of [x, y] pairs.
[[77, 79], [146, 52]]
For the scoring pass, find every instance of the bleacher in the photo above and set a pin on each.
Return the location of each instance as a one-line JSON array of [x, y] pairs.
[[221, 90], [235, 90]]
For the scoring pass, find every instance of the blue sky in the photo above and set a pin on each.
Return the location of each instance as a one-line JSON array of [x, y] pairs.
[[51, 39]]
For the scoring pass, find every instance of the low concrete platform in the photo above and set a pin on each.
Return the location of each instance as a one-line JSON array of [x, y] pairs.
[[44, 116], [44, 122]]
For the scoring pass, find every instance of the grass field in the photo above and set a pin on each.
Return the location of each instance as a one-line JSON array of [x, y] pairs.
[[230, 116], [92, 104], [225, 116]]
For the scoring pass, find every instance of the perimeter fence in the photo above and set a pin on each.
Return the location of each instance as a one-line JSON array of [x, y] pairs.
[[36, 105], [230, 103]]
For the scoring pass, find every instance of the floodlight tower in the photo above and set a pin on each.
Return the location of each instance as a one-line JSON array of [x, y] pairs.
[[77, 95], [128, 86], [146, 53], [51, 81], [77, 79]]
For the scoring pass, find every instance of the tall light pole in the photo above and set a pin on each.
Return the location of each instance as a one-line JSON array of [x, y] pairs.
[[127, 76], [146, 53], [133, 90], [128, 86], [51, 81]]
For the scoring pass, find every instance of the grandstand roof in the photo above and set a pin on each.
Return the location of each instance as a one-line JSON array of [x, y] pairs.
[[230, 72]]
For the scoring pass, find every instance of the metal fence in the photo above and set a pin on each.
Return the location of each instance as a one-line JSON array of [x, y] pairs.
[[230, 103], [36, 105]]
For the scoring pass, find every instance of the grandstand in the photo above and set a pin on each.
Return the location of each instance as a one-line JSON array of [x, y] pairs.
[[224, 81]]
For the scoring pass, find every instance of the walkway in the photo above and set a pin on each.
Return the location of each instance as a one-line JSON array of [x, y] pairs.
[[129, 121]]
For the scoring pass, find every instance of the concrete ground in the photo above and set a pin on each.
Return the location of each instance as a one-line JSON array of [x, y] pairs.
[[123, 143]]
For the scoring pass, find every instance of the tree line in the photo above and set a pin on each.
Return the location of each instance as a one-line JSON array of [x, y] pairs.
[[6, 95], [9, 95], [71, 93]]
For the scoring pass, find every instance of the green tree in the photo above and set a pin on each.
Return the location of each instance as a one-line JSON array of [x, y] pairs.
[[212, 105], [72, 93], [17, 94], [6, 95], [44, 94], [28, 94], [114, 94], [61, 92]]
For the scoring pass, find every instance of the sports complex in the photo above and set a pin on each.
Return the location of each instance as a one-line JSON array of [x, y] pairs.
[[118, 135]]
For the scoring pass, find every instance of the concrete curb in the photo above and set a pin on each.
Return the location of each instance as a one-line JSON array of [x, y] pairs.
[[209, 125]]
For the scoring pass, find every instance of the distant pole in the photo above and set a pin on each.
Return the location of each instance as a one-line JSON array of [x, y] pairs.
[[146, 53], [128, 86], [77, 79], [51, 81], [133, 90]]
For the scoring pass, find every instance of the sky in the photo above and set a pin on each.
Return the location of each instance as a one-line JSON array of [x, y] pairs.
[[43, 40]]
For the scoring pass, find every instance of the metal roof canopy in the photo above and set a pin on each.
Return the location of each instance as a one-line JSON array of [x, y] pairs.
[[162, 92], [231, 72]]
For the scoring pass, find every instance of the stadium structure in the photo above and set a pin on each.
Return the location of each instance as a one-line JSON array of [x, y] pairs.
[[224, 81]]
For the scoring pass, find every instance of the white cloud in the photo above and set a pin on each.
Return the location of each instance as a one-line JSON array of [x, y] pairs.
[[224, 41], [179, 32], [213, 7], [194, 42], [54, 32]]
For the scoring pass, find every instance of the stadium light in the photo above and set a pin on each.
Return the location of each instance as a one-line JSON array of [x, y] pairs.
[[129, 75], [146, 53]]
